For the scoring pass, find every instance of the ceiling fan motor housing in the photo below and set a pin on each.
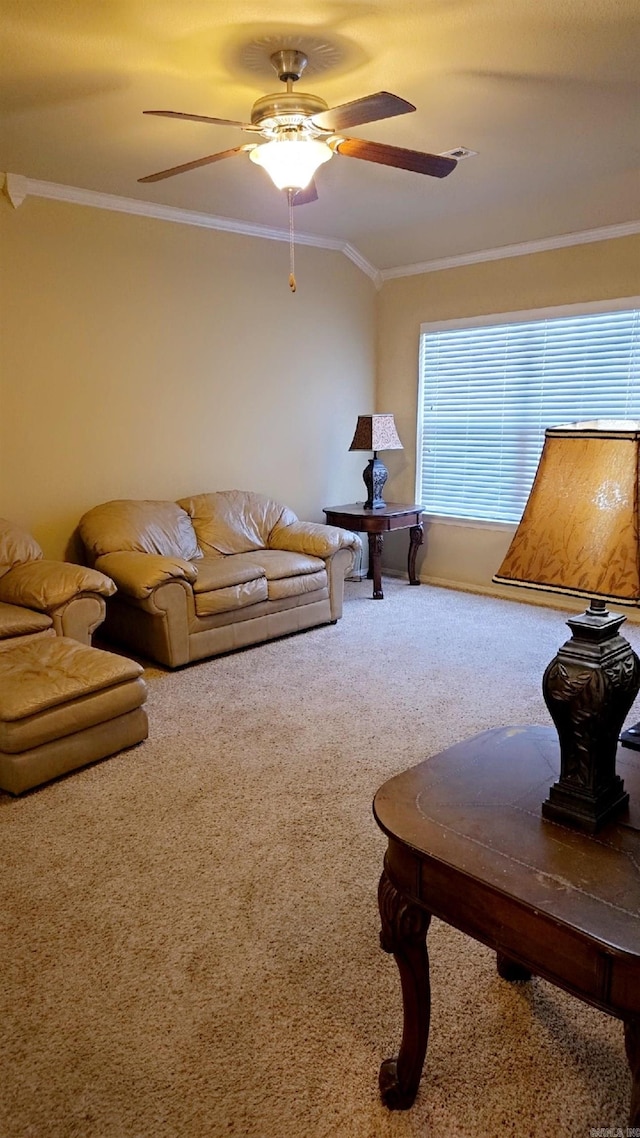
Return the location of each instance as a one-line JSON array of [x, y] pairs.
[[288, 109]]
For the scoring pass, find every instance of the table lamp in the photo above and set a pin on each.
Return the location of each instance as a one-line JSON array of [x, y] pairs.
[[580, 535], [375, 432]]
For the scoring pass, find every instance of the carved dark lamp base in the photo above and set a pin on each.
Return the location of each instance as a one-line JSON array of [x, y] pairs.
[[587, 812], [589, 688], [375, 475]]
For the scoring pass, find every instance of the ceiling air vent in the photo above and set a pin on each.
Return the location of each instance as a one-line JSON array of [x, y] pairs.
[[459, 152]]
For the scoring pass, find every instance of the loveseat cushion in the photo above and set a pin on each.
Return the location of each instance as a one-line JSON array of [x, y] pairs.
[[223, 572], [17, 546], [18, 621], [287, 574], [227, 583], [283, 587], [242, 579], [277, 563], [140, 526], [234, 521]]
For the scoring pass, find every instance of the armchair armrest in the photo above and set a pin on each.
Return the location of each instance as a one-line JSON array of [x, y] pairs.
[[313, 538], [45, 585], [138, 574]]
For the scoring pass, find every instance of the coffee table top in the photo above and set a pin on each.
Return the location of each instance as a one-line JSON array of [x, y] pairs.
[[475, 809]]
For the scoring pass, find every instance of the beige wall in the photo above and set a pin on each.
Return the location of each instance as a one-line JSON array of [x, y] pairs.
[[143, 358], [464, 554]]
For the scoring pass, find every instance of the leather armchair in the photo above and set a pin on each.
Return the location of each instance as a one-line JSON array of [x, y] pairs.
[[40, 597]]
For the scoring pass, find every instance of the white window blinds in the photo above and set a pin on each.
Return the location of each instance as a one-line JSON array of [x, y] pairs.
[[487, 394]]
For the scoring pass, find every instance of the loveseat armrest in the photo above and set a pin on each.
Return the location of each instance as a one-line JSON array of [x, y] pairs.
[[138, 574], [313, 538], [45, 585]]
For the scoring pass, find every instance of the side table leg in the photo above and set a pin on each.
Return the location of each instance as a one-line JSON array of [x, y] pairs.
[[632, 1045], [510, 970], [415, 539], [375, 560], [404, 933]]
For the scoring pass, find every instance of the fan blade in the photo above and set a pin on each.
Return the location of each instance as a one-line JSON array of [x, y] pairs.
[[370, 108], [201, 118], [308, 194], [437, 165], [192, 165]]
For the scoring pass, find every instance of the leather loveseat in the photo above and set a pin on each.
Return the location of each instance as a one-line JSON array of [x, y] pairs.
[[214, 572], [39, 597]]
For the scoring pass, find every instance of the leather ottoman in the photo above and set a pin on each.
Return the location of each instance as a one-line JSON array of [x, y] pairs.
[[63, 705]]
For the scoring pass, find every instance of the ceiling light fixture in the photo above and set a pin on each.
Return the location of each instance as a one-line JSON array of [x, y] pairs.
[[291, 162]]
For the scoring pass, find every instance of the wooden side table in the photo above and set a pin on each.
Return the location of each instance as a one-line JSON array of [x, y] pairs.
[[468, 844], [375, 523]]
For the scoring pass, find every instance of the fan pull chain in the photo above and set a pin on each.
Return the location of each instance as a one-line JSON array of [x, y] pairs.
[[292, 275]]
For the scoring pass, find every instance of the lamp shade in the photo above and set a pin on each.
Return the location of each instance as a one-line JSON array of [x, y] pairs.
[[579, 533], [291, 163], [375, 432]]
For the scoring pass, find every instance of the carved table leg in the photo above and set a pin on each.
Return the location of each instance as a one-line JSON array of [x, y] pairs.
[[415, 539], [510, 970], [632, 1044], [375, 559], [404, 933]]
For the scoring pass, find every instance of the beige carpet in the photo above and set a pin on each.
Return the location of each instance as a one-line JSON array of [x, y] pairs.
[[189, 935]]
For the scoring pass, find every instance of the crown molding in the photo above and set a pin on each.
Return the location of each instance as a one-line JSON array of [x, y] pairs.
[[57, 192], [561, 241], [362, 263]]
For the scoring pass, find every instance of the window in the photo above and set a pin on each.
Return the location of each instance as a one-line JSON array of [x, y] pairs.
[[488, 390]]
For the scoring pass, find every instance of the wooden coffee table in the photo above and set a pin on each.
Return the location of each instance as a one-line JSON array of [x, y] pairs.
[[468, 844], [375, 523]]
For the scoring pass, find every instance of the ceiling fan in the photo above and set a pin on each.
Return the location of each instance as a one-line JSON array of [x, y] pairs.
[[301, 132]]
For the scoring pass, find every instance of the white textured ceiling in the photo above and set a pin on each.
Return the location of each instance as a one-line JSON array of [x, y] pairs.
[[545, 90]]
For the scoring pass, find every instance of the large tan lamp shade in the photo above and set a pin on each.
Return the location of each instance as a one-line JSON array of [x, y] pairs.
[[375, 432], [580, 535]]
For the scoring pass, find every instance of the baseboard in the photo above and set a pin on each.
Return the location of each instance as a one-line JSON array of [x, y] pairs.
[[523, 596]]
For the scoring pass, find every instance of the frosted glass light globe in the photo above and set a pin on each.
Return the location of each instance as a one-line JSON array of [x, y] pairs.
[[291, 163]]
